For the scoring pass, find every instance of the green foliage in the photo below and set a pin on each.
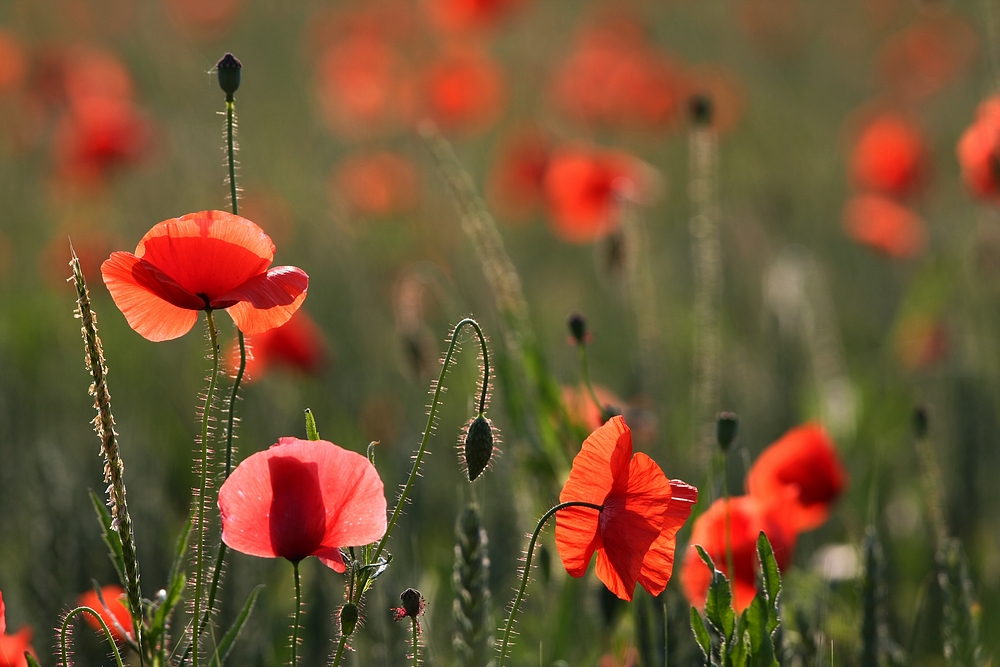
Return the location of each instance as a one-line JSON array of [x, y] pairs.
[[750, 640], [962, 647], [877, 648], [472, 609], [225, 646]]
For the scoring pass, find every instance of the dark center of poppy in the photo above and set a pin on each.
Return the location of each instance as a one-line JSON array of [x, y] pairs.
[[298, 515]]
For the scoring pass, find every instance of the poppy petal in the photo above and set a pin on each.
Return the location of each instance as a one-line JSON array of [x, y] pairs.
[[603, 457], [266, 301], [3, 616], [611, 577], [333, 559], [658, 564], [245, 507], [142, 295], [577, 538], [208, 252]]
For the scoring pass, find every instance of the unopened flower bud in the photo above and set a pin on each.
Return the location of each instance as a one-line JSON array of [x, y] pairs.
[[578, 327], [413, 605], [700, 107], [921, 419], [348, 619], [726, 427], [229, 69], [478, 446]]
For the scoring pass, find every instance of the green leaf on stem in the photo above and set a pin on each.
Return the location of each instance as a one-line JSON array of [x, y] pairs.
[[110, 535], [719, 604], [701, 634], [226, 645]]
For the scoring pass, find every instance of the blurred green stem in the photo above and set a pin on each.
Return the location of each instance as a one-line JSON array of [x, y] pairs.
[[199, 574], [585, 376], [527, 568]]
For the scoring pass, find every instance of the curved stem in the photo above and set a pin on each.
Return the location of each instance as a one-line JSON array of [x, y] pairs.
[[430, 425], [298, 615], [416, 639], [104, 628], [527, 566], [199, 574]]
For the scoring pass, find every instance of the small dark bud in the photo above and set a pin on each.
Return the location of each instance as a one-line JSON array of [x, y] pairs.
[[413, 605], [544, 563], [726, 427], [578, 327], [609, 412], [921, 419], [700, 107], [348, 619], [228, 70], [478, 446]]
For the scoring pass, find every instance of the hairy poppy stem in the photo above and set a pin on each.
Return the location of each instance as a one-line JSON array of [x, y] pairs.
[[114, 468], [231, 152], [527, 567], [199, 574], [298, 614], [63, 634], [416, 641]]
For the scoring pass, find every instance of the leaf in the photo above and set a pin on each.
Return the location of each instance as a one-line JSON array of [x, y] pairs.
[[770, 580], [757, 617], [311, 432], [110, 535], [31, 660], [701, 634], [719, 603], [226, 645]]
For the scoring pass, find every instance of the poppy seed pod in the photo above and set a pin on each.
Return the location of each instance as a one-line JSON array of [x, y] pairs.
[[413, 605], [726, 428], [229, 69], [577, 327], [478, 446], [348, 619], [700, 108]]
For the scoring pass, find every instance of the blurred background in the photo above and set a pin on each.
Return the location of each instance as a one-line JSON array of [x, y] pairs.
[[757, 204]]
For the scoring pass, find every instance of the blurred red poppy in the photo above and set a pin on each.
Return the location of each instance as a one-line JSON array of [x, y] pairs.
[[464, 15], [890, 156], [13, 63], [613, 78], [929, 55], [302, 498], [379, 183], [90, 72], [203, 261], [581, 184], [297, 344], [359, 85], [979, 151], [96, 136], [204, 20], [634, 534], [13, 647], [464, 91], [723, 87], [91, 246], [747, 519], [884, 225], [778, 28], [800, 475], [580, 407], [515, 186], [113, 611]]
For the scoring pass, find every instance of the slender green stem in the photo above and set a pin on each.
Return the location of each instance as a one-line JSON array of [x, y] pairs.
[[199, 574], [585, 375], [527, 567], [430, 423], [730, 568], [104, 627], [340, 650], [298, 615], [416, 638], [231, 150]]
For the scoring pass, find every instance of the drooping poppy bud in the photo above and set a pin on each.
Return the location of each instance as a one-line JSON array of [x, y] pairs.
[[348, 619], [478, 448]]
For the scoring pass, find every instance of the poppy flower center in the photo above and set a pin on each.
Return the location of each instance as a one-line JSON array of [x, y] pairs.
[[298, 515]]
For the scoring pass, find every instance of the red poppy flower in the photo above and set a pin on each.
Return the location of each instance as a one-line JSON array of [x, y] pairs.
[[890, 156], [580, 406], [98, 135], [581, 183], [929, 55], [201, 261], [302, 498], [634, 534], [92, 72], [205, 20], [979, 151], [378, 184], [463, 91], [463, 15], [801, 475], [12, 62], [885, 225], [296, 344], [113, 610], [12, 647], [747, 519], [515, 186]]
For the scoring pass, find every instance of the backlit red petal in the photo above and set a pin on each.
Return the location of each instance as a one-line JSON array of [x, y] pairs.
[[113, 610], [268, 300], [611, 576], [245, 506], [3, 616], [142, 294], [658, 564], [576, 538], [208, 253], [604, 456]]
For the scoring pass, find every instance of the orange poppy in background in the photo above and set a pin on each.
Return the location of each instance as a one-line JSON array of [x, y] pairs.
[[13, 647], [302, 498], [800, 475], [580, 407], [13, 63], [890, 156], [205, 20], [464, 91], [297, 344], [979, 151], [515, 186], [98, 135], [113, 611], [203, 261], [922, 59], [581, 186], [466, 15], [634, 534], [748, 517], [379, 183], [884, 225]]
